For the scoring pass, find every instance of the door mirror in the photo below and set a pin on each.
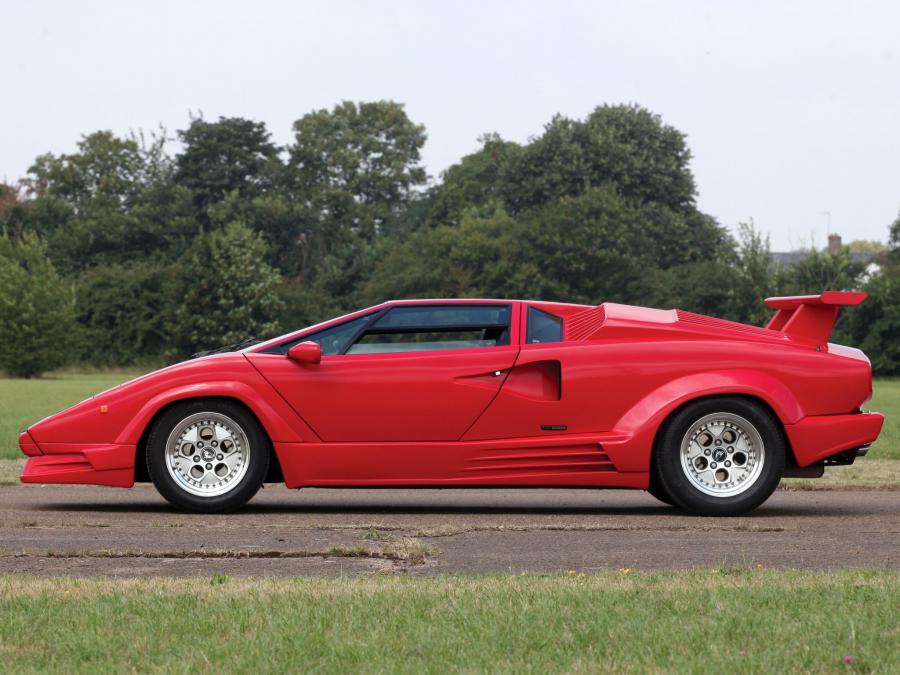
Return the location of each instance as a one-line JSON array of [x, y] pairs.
[[305, 352]]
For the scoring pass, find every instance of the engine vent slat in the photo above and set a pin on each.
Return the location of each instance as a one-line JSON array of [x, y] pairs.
[[712, 322], [544, 467], [569, 459], [584, 324]]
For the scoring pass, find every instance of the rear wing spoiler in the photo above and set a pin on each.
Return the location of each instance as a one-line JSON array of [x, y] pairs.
[[810, 317]]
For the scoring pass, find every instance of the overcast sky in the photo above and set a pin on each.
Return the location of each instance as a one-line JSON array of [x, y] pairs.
[[792, 109]]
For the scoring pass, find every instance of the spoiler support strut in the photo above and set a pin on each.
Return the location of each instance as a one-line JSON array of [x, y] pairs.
[[810, 317]]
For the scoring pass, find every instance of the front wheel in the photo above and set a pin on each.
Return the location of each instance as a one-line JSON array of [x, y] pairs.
[[720, 456], [656, 491], [207, 456]]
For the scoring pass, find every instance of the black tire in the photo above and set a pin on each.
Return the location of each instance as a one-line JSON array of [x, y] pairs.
[[252, 460], [701, 493], [656, 490]]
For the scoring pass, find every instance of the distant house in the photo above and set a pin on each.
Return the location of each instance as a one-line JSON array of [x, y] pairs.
[[871, 259]]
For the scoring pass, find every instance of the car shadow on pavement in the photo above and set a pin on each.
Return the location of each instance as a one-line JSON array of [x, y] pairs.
[[817, 510], [421, 509]]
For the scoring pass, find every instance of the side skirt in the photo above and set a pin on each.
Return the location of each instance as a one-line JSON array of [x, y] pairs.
[[547, 461]]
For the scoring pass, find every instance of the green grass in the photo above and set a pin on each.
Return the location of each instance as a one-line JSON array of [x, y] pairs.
[[693, 622], [10, 470], [864, 474], [24, 402], [886, 400]]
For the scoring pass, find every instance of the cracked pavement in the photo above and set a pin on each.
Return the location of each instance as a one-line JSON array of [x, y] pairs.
[[85, 531]]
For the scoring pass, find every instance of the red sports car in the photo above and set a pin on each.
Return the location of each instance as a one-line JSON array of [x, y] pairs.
[[706, 414]]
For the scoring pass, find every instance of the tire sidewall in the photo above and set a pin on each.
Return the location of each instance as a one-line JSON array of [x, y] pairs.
[[258, 460], [670, 474]]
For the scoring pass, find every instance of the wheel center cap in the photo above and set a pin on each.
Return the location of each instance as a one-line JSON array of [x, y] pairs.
[[719, 454], [207, 454]]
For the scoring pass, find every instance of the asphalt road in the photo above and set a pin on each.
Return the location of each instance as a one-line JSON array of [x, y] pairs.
[[86, 531]]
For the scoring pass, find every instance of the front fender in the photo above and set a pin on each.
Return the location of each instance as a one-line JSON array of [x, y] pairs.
[[282, 425], [121, 414]]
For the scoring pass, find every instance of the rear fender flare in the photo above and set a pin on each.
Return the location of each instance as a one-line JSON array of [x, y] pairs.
[[642, 422]]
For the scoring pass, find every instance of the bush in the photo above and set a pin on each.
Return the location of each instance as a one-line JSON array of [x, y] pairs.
[[225, 290], [875, 324], [36, 310], [121, 309]]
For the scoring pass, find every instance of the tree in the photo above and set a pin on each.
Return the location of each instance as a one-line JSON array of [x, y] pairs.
[[894, 240], [756, 277], [469, 260], [232, 154], [591, 248], [820, 271], [36, 310], [866, 246], [587, 248], [226, 290], [13, 211], [279, 218], [111, 202], [874, 326], [625, 146], [121, 310], [106, 169], [353, 169], [705, 287], [471, 187]]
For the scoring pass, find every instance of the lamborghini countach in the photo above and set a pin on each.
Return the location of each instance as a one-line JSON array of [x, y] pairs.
[[706, 414]]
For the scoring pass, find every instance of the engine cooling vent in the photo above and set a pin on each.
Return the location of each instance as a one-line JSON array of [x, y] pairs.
[[711, 322], [580, 458], [584, 324]]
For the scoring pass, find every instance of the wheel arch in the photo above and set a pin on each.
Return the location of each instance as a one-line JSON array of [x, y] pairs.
[[747, 397], [643, 423], [141, 475]]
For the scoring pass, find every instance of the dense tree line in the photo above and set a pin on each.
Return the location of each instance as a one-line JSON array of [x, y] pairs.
[[123, 253]]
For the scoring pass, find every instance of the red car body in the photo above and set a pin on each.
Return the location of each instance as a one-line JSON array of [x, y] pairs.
[[581, 411]]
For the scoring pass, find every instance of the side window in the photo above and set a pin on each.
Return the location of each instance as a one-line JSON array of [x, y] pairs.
[[542, 327], [333, 340], [435, 327]]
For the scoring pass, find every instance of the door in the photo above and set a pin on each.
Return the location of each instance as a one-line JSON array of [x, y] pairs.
[[411, 372]]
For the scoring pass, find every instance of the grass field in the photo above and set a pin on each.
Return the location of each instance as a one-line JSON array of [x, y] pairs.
[[693, 622], [886, 400], [24, 402]]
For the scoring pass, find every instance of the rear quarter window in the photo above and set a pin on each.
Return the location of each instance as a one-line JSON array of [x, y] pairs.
[[542, 327]]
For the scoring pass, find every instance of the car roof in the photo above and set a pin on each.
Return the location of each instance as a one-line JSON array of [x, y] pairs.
[[561, 308], [543, 304]]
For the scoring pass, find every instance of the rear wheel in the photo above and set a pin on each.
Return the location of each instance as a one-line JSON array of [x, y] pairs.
[[207, 455], [720, 456]]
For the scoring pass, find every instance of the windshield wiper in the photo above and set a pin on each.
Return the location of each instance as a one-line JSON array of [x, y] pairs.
[[237, 346]]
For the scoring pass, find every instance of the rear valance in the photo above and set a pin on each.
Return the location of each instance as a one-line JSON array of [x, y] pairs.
[[810, 317]]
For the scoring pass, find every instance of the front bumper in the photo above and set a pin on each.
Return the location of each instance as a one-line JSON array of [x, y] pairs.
[[816, 439], [109, 464], [28, 446]]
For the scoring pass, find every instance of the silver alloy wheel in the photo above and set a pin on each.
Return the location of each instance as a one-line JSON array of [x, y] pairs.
[[207, 454], [722, 454]]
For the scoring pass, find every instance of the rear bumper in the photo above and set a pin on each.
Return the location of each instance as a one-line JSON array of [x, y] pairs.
[[815, 439], [109, 464]]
